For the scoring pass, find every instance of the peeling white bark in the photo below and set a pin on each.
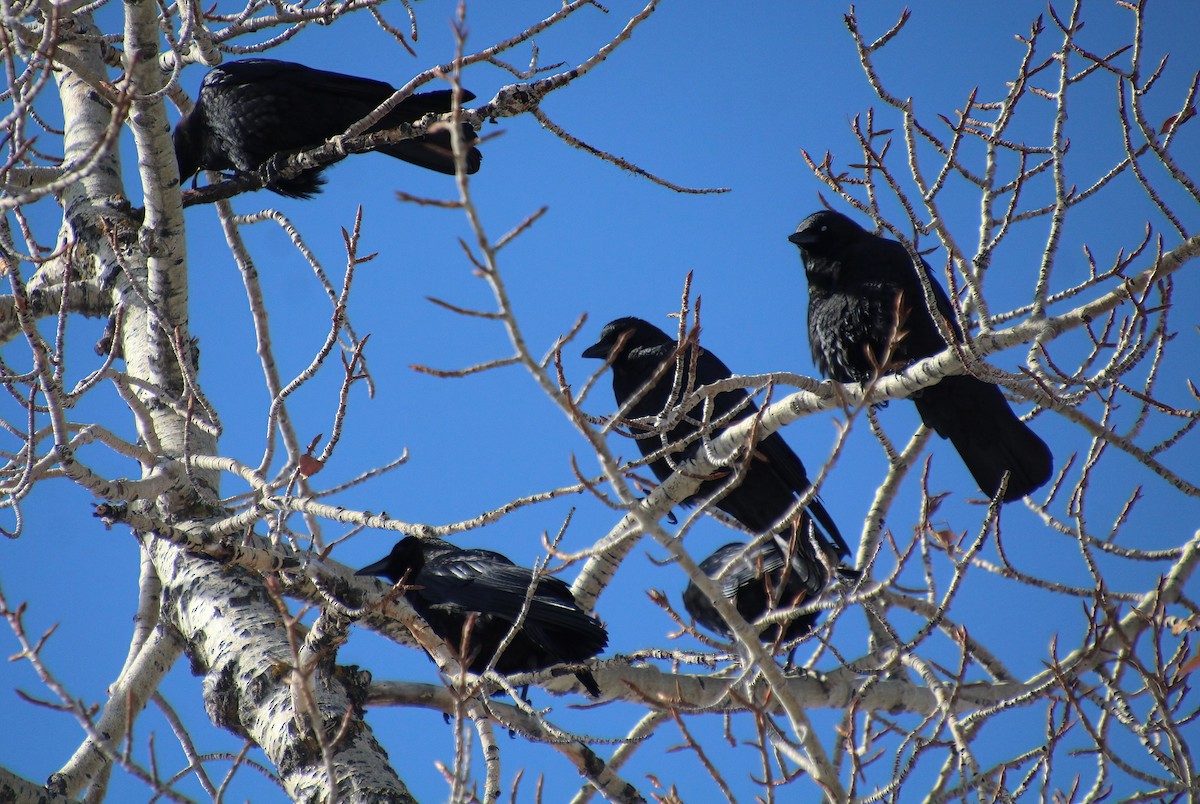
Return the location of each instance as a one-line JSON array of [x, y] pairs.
[[237, 640]]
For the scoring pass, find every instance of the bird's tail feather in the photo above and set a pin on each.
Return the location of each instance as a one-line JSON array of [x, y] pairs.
[[989, 437], [433, 152], [589, 682]]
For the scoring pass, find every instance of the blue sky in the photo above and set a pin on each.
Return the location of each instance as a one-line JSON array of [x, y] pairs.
[[704, 94]]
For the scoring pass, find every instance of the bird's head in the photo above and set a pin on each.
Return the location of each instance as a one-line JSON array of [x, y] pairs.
[[623, 335], [825, 234], [406, 557]]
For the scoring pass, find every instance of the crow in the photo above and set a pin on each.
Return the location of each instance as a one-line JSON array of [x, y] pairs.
[[758, 581], [248, 111], [638, 353], [858, 285], [451, 587]]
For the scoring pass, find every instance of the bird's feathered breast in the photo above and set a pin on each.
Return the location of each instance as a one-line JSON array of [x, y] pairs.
[[862, 294]]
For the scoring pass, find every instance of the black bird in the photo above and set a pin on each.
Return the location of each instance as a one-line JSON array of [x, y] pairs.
[[759, 581], [250, 110], [638, 351], [449, 586], [857, 284]]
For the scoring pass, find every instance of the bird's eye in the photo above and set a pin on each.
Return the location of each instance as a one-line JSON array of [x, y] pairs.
[[824, 228]]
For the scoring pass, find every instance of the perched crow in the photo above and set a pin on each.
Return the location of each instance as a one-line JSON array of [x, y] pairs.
[[448, 586], [756, 583], [856, 284], [250, 110], [637, 350]]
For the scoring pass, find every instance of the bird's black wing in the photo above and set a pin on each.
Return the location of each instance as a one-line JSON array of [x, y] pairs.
[[772, 454], [970, 412], [787, 466], [751, 563], [482, 583], [922, 336], [279, 106], [348, 99], [634, 370], [756, 583], [644, 363]]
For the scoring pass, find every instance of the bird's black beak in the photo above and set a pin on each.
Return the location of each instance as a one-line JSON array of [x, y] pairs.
[[802, 238], [597, 350], [378, 568]]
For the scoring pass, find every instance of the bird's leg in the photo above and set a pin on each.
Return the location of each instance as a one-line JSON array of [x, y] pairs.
[[269, 171]]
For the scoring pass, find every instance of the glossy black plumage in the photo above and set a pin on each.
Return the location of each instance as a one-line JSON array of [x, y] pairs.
[[759, 581], [854, 278], [636, 350], [248, 111], [448, 585]]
